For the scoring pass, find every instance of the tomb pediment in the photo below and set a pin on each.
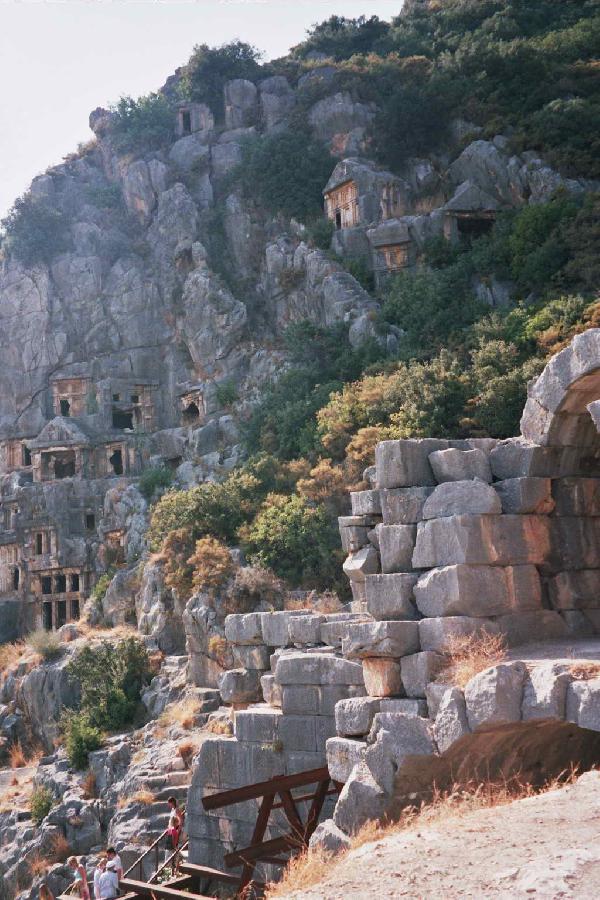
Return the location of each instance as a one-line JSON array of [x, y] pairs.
[[470, 198], [60, 432]]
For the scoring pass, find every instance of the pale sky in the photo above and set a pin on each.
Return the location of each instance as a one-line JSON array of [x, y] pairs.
[[59, 59]]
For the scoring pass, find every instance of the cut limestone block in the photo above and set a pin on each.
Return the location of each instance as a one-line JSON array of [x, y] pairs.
[[260, 724], [305, 629], [301, 760], [483, 540], [298, 733], [244, 629], [478, 590], [404, 706], [240, 686], [575, 543], [315, 700], [403, 506], [451, 721], [365, 503], [460, 465], [525, 495], [381, 639], [418, 670], [392, 739], [545, 692], [396, 546], [516, 457], [247, 657], [435, 633], [274, 626], [494, 696], [335, 628], [353, 537], [583, 704], [541, 625], [434, 693], [342, 755], [329, 839], [382, 677], [364, 562], [391, 596], [362, 800], [456, 497], [317, 668], [575, 590], [405, 463], [579, 622], [354, 717], [271, 690]]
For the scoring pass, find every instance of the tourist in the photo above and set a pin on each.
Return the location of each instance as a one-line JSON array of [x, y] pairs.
[[100, 867], [45, 893], [81, 883], [113, 856], [174, 827], [108, 883]]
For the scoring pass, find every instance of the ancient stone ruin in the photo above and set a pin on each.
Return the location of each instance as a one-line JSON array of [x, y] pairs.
[[452, 538]]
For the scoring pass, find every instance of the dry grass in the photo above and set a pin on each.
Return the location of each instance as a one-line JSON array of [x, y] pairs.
[[19, 792], [143, 796], [220, 726], [584, 670], [19, 758], [61, 849], [38, 865], [187, 750], [182, 713], [467, 655], [311, 867], [88, 786], [11, 655]]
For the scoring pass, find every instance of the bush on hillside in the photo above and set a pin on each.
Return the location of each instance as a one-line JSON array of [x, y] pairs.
[[211, 564], [35, 230], [153, 480], [40, 803], [143, 124], [46, 643], [340, 37], [81, 738], [209, 68]]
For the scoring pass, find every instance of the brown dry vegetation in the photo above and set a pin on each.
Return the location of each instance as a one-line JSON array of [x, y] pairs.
[[219, 726], [143, 796], [187, 751], [584, 670], [309, 868], [467, 655], [88, 786], [19, 758], [61, 849], [182, 713], [19, 792], [39, 865]]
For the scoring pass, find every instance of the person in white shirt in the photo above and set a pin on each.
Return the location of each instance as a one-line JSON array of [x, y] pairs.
[[97, 873], [113, 856], [108, 882]]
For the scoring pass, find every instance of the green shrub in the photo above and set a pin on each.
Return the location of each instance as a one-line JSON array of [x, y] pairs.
[[285, 173], [81, 738], [320, 232], [294, 539], [340, 37], [36, 230], [226, 393], [154, 479], [209, 68], [142, 124], [46, 643], [40, 803], [100, 588]]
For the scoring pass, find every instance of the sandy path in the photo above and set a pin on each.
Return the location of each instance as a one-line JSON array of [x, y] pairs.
[[546, 846]]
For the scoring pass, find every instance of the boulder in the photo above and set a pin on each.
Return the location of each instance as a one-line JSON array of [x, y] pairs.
[[463, 590], [330, 839], [362, 800], [451, 720], [460, 465], [342, 755], [545, 692], [362, 563], [457, 497], [244, 629], [394, 738], [418, 670], [494, 696], [583, 704], [240, 98]]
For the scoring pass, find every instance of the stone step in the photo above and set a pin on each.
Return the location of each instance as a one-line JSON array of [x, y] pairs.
[[180, 792]]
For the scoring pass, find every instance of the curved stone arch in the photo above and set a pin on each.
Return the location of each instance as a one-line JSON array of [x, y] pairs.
[[561, 408]]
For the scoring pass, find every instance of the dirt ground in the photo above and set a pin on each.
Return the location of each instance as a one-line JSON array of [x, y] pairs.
[[546, 846]]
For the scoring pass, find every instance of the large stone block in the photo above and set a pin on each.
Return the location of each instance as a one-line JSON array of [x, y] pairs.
[[419, 670], [452, 498], [575, 543], [271, 690], [405, 463], [365, 503], [362, 800], [382, 677], [354, 717], [525, 495], [478, 590], [257, 725], [381, 639], [575, 590], [394, 738], [482, 540], [516, 458], [353, 537], [247, 657], [451, 721], [342, 755], [305, 630], [541, 625], [403, 506], [301, 761], [300, 700], [362, 563], [274, 627], [240, 686], [494, 696], [396, 546], [583, 704], [545, 692], [331, 694], [391, 596], [335, 629], [404, 706], [460, 465], [244, 629], [317, 668], [434, 634]]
